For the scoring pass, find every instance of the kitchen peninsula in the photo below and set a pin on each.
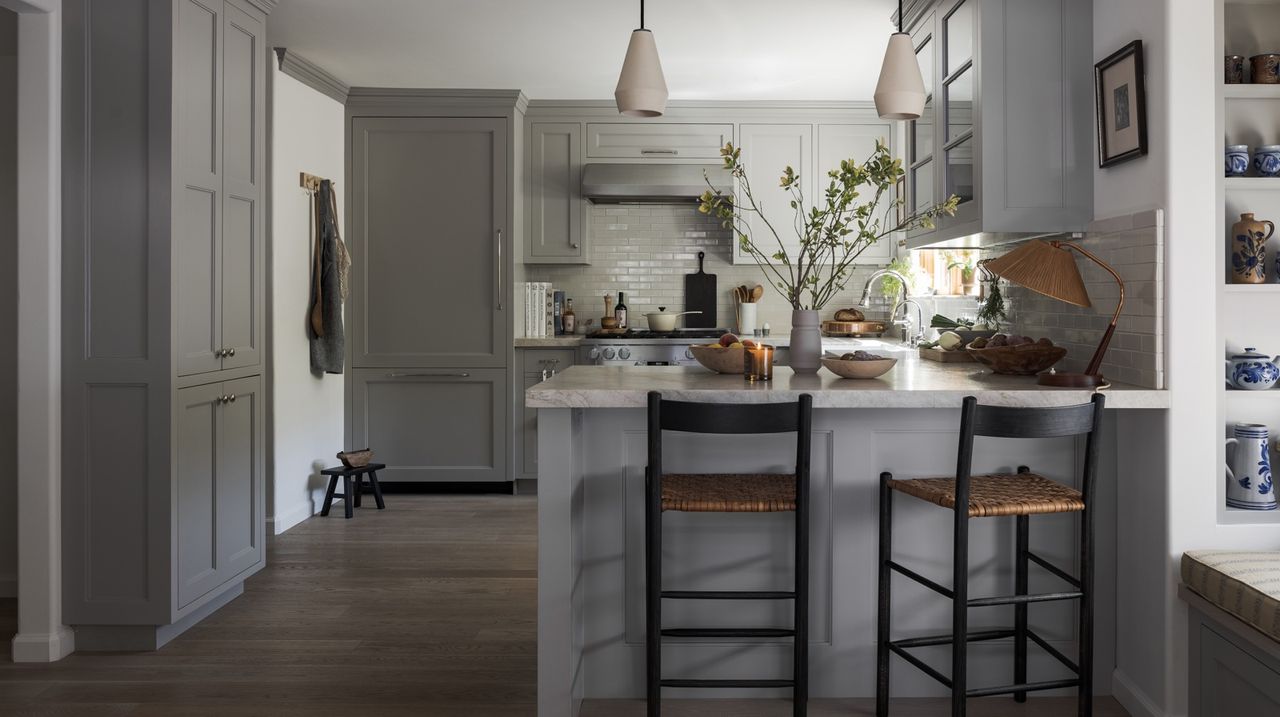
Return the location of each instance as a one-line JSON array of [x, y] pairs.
[[591, 439]]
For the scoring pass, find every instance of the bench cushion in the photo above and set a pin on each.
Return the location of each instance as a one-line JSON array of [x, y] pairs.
[[1244, 583]]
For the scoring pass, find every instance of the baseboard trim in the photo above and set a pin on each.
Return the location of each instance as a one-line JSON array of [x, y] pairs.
[[8, 586], [146, 638], [1135, 701], [43, 647], [281, 522]]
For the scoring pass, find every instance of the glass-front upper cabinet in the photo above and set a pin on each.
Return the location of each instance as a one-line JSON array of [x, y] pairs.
[[921, 176], [958, 90]]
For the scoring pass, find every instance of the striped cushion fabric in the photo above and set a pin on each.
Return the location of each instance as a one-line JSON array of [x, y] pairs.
[[1245, 583]]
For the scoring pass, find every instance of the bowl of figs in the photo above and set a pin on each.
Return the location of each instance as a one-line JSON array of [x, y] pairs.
[[1014, 355], [858, 364]]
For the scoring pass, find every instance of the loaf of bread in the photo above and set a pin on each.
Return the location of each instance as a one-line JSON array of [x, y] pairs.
[[850, 315]]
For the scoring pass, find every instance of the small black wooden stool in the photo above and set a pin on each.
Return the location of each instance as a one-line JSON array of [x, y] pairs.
[[351, 489]]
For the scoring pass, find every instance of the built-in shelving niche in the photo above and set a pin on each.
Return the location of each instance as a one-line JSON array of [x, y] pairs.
[[1247, 115]]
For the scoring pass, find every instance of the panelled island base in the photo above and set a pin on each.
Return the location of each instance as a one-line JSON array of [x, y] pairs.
[[591, 448]]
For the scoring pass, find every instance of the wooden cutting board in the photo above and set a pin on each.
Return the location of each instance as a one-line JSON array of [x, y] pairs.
[[700, 295], [945, 356], [853, 328]]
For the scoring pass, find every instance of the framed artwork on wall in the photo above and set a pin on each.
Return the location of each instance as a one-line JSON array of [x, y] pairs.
[[1122, 105]]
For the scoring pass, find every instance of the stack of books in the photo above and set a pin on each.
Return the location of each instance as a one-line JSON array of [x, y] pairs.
[[538, 310]]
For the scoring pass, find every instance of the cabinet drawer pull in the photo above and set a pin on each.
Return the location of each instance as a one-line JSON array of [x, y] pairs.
[[671, 152], [461, 374]]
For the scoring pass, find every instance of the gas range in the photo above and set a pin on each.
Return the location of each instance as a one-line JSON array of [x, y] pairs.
[[645, 348]]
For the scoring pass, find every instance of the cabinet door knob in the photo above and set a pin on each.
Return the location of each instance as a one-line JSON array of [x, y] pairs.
[[231, 352], [222, 399], [220, 353], [232, 398]]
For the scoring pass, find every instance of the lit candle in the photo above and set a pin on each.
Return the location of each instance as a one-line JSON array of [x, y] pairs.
[[757, 363]]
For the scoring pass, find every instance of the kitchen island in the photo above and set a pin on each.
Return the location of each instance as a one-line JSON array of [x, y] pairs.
[[592, 448]]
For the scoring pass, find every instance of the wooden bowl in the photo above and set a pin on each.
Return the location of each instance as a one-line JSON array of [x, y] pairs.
[[719, 359], [1023, 360], [859, 369], [968, 335], [356, 459]]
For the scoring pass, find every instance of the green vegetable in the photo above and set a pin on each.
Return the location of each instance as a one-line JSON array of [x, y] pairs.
[[942, 322]]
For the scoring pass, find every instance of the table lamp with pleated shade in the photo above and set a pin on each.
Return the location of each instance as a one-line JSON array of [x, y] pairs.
[[1048, 268]]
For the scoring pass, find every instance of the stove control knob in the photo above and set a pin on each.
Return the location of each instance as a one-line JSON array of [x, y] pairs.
[[594, 353], [624, 353], [608, 354], [688, 353]]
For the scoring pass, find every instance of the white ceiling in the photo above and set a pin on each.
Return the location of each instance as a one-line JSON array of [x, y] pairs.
[[572, 49]]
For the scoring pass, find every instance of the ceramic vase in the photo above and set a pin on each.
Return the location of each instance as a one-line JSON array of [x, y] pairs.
[[1249, 469], [1249, 249], [1265, 69], [1233, 69], [1237, 160], [1266, 159], [806, 341]]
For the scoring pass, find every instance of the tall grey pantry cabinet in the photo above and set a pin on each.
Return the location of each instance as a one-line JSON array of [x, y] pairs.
[[431, 185], [163, 313]]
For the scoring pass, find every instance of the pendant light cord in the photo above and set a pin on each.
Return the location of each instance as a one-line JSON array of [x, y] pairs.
[[642, 13], [899, 14]]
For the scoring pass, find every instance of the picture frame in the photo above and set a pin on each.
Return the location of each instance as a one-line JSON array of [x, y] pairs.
[[1121, 95]]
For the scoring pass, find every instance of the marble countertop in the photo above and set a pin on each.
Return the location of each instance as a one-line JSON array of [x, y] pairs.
[[913, 383], [549, 342]]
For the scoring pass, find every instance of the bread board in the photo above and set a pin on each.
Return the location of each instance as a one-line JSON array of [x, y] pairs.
[[853, 329], [945, 356]]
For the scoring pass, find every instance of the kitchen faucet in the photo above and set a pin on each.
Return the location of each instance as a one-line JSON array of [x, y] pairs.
[[898, 303], [915, 338]]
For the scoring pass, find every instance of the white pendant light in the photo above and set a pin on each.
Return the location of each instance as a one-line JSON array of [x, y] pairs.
[[641, 90], [900, 92]]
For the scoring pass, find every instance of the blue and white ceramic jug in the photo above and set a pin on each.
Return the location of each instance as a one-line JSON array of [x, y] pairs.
[[1249, 469], [1252, 371]]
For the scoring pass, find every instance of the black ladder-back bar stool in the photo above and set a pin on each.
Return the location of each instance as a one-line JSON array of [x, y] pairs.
[[727, 493], [1022, 494]]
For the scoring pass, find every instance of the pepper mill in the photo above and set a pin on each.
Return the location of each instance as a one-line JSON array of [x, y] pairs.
[[608, 321]]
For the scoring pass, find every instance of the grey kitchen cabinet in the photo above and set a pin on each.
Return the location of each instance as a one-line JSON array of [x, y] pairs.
[[811, 150], [218, 217], [1015, 146], [163, 165], [429, 221], [556, 208], [656, 141], [433, 424], [534, 366], [220, 490]]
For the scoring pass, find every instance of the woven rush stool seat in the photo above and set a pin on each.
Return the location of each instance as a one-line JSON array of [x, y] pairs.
[[997, 494], [729, 492]]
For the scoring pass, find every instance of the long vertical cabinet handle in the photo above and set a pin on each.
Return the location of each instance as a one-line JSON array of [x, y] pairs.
[[499, 270]]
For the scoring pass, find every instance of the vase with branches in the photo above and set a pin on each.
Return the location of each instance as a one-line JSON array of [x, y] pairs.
[[856, 209]]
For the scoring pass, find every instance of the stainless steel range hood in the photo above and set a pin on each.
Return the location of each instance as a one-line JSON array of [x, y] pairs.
[[652, 183]]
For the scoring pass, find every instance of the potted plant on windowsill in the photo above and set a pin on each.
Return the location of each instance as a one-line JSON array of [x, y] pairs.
[[966, 264], [856, 209]]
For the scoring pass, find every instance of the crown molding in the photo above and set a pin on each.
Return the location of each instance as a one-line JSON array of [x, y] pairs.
[[266, 6], [312, 75], [449, 97]]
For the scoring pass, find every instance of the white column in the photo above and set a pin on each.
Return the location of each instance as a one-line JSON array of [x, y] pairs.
[[41, 635]]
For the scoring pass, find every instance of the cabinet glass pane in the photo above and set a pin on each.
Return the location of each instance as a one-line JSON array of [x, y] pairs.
[[922, 187], [922, 134], [960, 170], [925, 56], [960, 105], [959, 35]]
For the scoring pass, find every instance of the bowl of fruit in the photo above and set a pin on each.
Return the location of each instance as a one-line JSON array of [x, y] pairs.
[[858, 364], [724, 356], [1015, 355]]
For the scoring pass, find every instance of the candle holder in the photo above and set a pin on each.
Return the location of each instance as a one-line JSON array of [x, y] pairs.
[[757, 363]]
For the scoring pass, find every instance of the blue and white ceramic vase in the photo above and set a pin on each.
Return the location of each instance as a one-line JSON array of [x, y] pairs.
[[1249, 469], [1237, 160], [1266, 159], [1249, 249], [1252, 371]]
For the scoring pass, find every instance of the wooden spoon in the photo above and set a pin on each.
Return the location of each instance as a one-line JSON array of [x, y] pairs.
[[756, 293]]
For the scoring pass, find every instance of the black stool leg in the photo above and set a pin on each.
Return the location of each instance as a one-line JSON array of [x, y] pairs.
[[800, 667], [346, 497], [960, 607], [328, 496], [377, 489], [1020, 611], [653, 596], [357, 482], [882, 620], [1085, 708]]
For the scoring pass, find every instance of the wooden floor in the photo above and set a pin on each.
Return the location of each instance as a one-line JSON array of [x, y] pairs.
[[426, 609]]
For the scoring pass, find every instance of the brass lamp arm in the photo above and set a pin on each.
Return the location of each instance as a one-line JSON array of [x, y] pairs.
[[1096, 362]]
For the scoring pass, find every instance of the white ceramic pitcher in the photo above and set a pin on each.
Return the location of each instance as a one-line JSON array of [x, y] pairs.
[[1249, 469]]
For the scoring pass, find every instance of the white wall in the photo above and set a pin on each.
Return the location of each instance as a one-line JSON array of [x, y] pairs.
[[1178, 175], [306, 423], [8, 303]]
